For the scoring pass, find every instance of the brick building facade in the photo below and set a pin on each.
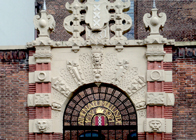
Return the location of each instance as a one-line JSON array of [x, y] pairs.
[[14, 74]]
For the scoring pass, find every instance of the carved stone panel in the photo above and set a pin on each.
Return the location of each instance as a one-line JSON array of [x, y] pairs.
[[155, 98], [154, 125], [155, 75], [42, 99], [41, 125], [42, 76]]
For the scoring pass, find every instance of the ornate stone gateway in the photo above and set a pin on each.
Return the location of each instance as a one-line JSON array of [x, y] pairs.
[[105, 110], [100, 85]]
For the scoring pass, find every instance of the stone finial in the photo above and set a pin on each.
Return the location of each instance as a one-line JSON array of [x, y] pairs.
[[154, 22], [44, 23]]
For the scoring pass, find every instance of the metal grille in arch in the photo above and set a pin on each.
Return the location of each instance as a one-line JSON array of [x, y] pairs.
[[103, 112]]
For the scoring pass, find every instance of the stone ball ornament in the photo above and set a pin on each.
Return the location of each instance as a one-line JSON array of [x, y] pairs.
[[43, 23], [154, 21]]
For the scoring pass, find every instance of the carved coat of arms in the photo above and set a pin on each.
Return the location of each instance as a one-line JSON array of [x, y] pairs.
[[97, 14]]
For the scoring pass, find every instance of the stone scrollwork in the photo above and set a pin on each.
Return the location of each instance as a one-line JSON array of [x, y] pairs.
[[122, 67], [44, 23], [76, 73], [60, 85], [72, 22]]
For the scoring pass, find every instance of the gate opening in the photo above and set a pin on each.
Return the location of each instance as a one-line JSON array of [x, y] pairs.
[[103, 112]]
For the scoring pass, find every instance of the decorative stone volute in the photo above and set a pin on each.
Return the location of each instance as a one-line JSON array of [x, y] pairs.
[[154, 22], [44, 23]]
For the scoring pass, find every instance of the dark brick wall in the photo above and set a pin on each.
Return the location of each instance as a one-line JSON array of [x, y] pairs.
[[13, 95], [184, 78]]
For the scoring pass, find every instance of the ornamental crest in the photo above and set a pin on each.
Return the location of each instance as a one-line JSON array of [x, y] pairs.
[[97, 14]]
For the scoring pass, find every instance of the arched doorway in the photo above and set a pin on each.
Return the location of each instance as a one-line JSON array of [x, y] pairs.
[[103, 112]]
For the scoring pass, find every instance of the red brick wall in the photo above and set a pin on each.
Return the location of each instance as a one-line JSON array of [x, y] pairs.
[[184, 111], [13, 95]]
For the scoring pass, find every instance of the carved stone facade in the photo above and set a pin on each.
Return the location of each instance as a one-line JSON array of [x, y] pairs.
[[99, 59]]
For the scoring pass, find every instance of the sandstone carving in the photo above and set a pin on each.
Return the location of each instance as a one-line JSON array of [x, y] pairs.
[[97, 57], [120, 71], [156, 98], [86, 65], [140, 105], [42, 99], [123, 21], [72, 22], [60, 85], [154, 22], [76, 73], [44, 23], [155, 125], [155, 75], [43, 54], [109, 67], [56, 106], [141, 113], [42, 125], [42, 76]]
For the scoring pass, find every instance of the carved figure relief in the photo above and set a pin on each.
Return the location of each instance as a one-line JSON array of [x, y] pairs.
[[74, 70], [120, 71], [42, 125], [155, 125], [97, 63]]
